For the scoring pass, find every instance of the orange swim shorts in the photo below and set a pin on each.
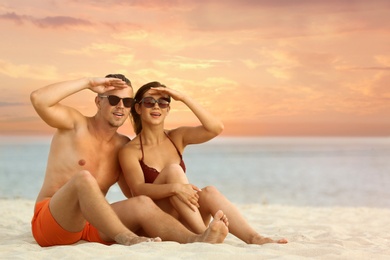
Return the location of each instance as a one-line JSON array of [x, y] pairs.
[[47, 232]]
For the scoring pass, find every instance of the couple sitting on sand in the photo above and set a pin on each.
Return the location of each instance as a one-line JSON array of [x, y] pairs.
[[88, 155]]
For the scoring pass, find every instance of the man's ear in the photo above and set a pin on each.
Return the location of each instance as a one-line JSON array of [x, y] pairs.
[[97, 102]]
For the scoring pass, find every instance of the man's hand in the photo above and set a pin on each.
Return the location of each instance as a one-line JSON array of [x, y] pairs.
[[102, 85]]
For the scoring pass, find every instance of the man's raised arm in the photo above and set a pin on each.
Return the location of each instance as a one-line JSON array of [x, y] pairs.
[[46, 100]]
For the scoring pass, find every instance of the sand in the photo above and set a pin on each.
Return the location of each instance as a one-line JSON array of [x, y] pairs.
[[313, 233]]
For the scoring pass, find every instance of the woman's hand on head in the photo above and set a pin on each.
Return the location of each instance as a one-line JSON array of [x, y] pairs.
[[176, 95]]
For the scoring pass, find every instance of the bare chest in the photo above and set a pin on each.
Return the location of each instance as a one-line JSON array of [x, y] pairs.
[[100, 160]]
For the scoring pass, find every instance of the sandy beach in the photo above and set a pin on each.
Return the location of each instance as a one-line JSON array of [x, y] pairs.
[[314, 233]]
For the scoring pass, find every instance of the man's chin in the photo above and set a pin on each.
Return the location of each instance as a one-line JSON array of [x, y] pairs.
[[117, 124]]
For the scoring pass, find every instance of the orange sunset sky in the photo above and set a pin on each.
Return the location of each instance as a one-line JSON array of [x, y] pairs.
[[268, 68]]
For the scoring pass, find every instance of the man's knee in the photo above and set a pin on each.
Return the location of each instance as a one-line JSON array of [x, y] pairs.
[[142, 206], [142, 201], [84, 179]]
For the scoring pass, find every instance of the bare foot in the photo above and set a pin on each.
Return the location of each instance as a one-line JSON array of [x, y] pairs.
[[259, 240], [129, 239], [282, 241], [225, 220], [217, 230]]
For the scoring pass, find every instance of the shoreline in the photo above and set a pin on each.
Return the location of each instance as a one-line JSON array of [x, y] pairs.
[[313, 232]]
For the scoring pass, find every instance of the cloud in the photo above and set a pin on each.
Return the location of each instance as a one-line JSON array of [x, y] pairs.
[[250, 64], [61, 22], [14, 18], [22, 119], [44, 72], [93, 48], [118, 54], [124, 60], [46, 22], [279, 62], [383, 60], [366, 68], [129, 33], [147, 4], [186, 63], [149, 74], [11, 104]]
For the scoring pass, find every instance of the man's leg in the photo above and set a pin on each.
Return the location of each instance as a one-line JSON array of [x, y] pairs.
[[142, 213], [81, 199]]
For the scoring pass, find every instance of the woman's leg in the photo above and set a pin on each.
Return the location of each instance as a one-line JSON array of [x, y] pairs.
[[140, 214], [211, 200], [191, 218]]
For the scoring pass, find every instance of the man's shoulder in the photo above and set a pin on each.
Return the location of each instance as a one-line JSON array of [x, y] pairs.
[[123, 139], [132, 144]]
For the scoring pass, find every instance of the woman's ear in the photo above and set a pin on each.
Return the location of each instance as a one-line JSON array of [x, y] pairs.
[[137, 108]]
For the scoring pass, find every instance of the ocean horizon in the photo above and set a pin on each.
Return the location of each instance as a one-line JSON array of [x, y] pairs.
[[294, 171]]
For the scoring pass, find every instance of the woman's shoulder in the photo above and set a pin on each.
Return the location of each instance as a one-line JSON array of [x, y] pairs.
[[177, 137], [176, 132], [131, 151]]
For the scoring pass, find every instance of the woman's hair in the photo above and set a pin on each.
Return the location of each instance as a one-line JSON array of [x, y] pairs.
[[136, 118]]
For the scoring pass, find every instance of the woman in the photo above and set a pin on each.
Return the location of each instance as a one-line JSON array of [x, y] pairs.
[[152, 163]]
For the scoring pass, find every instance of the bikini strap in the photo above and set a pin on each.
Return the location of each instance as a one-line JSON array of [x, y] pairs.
[[142, 149], [177, 150]]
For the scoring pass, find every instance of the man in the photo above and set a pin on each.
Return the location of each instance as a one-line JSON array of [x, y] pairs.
[[82, 166]]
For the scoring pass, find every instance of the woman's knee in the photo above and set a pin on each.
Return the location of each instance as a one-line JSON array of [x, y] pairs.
[[209, 192]]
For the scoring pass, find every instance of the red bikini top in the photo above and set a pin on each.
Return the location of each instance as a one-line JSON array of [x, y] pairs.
[[150, 173]]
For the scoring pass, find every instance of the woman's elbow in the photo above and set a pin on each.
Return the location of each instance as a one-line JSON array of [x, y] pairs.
[[136, 191]]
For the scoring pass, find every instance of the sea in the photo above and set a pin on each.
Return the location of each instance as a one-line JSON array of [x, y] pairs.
[[292, 171]]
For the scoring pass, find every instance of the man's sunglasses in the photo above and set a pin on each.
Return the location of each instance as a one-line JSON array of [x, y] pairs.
[[149, 102], [114, 100]]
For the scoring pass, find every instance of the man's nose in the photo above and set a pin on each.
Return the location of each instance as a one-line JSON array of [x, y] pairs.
[[120, 103]]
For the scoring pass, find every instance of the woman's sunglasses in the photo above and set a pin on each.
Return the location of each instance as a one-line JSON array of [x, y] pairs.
[[149, 102], [114, 100]]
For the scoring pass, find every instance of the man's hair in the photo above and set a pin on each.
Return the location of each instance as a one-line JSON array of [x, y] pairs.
[[120, 76]]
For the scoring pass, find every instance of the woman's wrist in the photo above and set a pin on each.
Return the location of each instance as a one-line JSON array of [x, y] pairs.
[[175, 189]]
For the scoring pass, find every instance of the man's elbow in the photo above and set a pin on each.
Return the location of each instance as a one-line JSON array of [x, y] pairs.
[[34, 98], [220, 128]]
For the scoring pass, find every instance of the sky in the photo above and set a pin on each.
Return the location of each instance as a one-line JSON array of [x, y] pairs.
[[265, 68]]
